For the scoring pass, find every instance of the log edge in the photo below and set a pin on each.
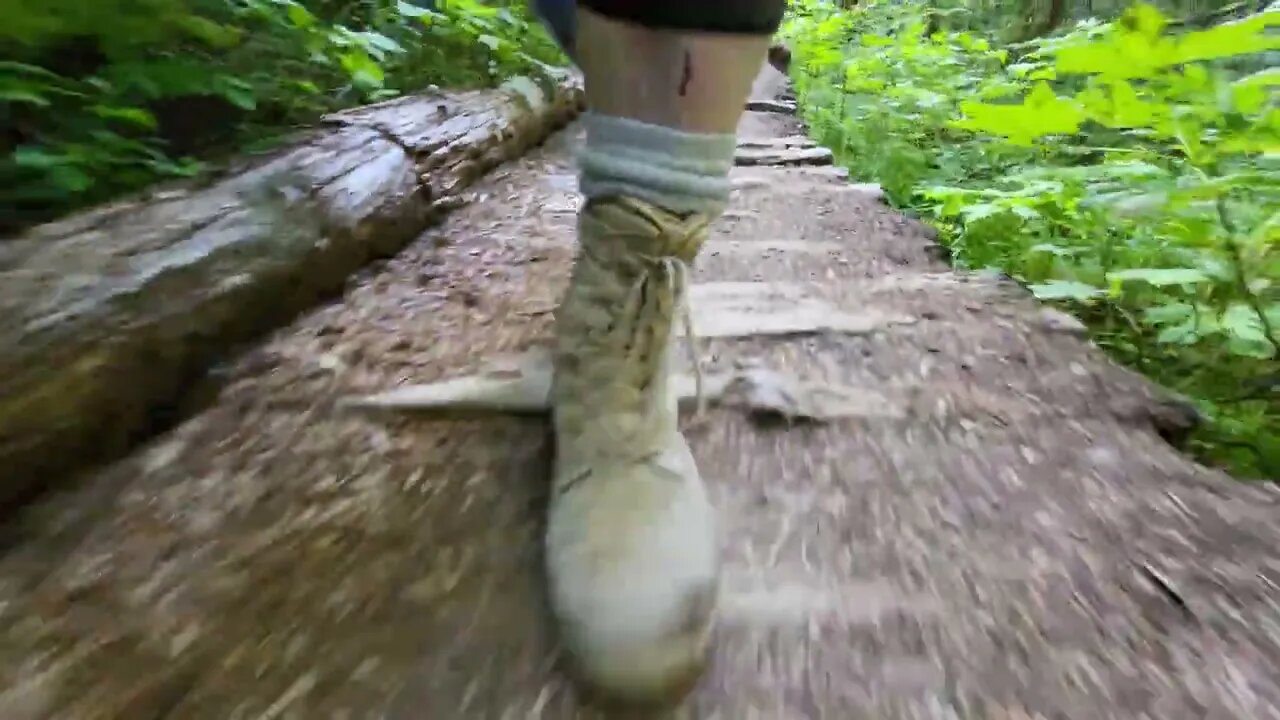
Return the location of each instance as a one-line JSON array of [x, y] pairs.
[[89, 379]]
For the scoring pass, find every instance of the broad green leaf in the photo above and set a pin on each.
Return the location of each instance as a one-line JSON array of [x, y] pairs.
[[35, 157], [1183, 333], [1170, 313], [980, 211], [1251, 93], [381, 42], [1136, 48], [1247, 335], [1122, 169], [1041, 113], [214, 34], [1241, 37], [299, 15], [239, 93], [131, 115], [1272, 312], [1052, 249], [1127, 109], [1145, 20], [1065, 290], [71, 178], [412, 11], [1025, 212], [27, 69], [1159, 277], [362, 69], [17, 95]]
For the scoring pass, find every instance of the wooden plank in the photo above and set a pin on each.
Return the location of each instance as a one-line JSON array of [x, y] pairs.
[[784, 156]]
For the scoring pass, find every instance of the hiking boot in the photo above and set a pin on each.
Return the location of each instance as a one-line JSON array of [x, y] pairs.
[[632, 547]]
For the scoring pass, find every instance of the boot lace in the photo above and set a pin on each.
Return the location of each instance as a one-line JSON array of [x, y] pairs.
[[640, 259]]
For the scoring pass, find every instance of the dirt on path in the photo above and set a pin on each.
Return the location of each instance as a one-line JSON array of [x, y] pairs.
[[994, 529]]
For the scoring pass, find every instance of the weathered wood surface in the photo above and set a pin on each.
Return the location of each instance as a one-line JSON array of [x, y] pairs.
[[782, 107], [783, 156], [108, 318], [1014, 541]]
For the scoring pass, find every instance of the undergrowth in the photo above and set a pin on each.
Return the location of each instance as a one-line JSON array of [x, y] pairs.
[[1127, 170], [100, 98]]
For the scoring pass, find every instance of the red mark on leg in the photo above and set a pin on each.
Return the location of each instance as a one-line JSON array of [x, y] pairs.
[[687, 74]]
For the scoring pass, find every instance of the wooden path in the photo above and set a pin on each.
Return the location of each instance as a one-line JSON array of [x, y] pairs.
[[970, 514]]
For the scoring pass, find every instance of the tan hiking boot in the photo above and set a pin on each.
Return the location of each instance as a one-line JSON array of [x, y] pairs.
[[632, 547]]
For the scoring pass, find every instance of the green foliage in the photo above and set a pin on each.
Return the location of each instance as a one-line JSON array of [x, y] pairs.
[[99, 98], [1127, 171]]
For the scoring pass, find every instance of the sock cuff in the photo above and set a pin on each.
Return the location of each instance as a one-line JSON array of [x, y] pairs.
[[607, 131], [678, 170]]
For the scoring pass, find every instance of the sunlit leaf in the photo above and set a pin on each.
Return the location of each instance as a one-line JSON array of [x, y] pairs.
[[1159, 277], [412, 11], [1168, 313], [1247, 334], [1041, 113], [239, 93], [381, 42], [300, 16], [131, 115], [17, 95], [363, 70], [1183, 333], [1065, 290]]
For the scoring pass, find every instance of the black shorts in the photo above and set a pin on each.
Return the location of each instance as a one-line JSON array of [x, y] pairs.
[[755, 17]]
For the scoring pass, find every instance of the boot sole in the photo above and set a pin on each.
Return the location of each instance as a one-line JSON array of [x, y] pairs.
[[656, 699]]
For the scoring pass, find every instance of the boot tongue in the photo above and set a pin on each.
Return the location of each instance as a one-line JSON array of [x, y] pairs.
[[636, 267], [642, 333], [628, 229]]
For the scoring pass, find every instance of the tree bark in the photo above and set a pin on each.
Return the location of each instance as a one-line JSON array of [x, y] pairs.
[[109, 318]]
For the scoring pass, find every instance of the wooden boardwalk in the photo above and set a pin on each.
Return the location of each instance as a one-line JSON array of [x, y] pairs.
[[973, 516]]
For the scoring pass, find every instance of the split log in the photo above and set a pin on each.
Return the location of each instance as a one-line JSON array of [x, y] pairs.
[[790, 141], [772, 106], [814, 156], [108, 318]]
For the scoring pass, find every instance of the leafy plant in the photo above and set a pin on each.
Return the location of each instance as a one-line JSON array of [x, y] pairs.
[[101, 98], [1125, 170]]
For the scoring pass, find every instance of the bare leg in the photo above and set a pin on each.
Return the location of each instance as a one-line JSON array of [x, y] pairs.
[[696, 82], [632, 547]]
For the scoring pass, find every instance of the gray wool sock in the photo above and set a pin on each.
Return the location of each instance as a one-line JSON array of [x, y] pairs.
[[675, 170]]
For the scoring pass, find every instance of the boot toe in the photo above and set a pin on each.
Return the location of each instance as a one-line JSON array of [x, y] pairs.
[[633, 570], [654, 665]]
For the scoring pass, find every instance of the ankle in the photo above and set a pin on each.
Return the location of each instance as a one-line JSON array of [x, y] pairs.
[[625, 234], [681, 172]]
